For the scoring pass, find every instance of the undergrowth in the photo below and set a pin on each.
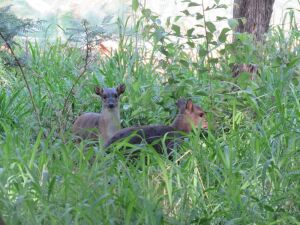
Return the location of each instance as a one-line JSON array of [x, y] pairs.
[[244, 171]]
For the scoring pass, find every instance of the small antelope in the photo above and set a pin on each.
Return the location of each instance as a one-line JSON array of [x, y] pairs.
[[189, 115], [237, 69], [104, 124]]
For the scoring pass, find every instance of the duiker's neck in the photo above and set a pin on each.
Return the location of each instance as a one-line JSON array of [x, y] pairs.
[[181, 123], [113, 113]]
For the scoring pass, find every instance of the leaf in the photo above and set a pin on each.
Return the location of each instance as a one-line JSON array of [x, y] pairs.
[[146, 12], [177, 18], [192, 4], [176, 29], [213, 60], [267, 207], [186, 12], [211, 27], [199, 16], [202, 52], [184, 63], [222, 51], [293, 61], [233, 23], [191, 44], [219, 18], [222, 6], [223, 35], [51, 187], [189, 32], [212, 7], [209, 37], [200, 36], [199, 25], [135, 4], [214, 43], [202, 93], [168, 22]]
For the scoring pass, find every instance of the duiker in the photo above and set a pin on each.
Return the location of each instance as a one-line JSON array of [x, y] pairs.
[[104, 124], [189, 115]]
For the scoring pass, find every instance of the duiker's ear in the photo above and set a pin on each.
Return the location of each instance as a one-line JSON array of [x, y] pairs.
[[189, 105], [98, 91], [181, 103], [121, 88]]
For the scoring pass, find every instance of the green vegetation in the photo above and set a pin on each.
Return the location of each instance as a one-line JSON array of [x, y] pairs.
[[246, 170]]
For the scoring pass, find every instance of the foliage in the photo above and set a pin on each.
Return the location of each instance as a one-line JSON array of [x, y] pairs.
[[244, 171], [12, 27]]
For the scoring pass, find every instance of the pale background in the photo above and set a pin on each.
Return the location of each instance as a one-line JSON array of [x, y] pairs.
[[105, 12]]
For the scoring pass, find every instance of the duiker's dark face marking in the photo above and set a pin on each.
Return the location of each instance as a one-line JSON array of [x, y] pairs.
[[110, 96]]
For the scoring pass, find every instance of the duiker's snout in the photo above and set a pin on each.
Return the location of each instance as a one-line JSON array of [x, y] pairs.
[[204, 124], [111, 104]]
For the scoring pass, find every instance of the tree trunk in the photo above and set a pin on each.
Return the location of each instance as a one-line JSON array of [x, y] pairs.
[[257, 14]]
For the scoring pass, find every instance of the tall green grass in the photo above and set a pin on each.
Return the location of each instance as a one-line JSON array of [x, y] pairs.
[[244, 171]]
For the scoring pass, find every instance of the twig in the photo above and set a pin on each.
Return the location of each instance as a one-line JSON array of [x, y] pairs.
[[208, 54], [24, 78], [88, 48]]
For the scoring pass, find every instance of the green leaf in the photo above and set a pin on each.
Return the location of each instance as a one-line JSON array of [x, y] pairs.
[[233, 23], [209, 37], [176, 29], [213, 60], [186, 12], [211, 27], [219, 18], [199, 25], [168, 22], [214, 43], [199, 16], [189, 32], [192, 4], [177, 18], [135, 4], [293, 61], [202, 52], [212, 7], [202, 93], [191, 44], [146, 12], [222, 51], [223, 35], [222, 6], [184, 63], [200, 36]]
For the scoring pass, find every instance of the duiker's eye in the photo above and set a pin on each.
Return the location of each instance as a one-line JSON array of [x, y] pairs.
[[115, 95], [201, 114], [104, 97]]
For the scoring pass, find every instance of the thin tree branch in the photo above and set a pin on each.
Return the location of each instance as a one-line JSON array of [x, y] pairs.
[[24, 78], [83, 71], [209, 54]]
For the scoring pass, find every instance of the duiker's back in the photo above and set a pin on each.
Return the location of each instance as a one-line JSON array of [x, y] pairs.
[[148, 134], [188, 116]]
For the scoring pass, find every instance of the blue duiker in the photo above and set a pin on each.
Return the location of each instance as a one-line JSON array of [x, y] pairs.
[[104, 124]]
